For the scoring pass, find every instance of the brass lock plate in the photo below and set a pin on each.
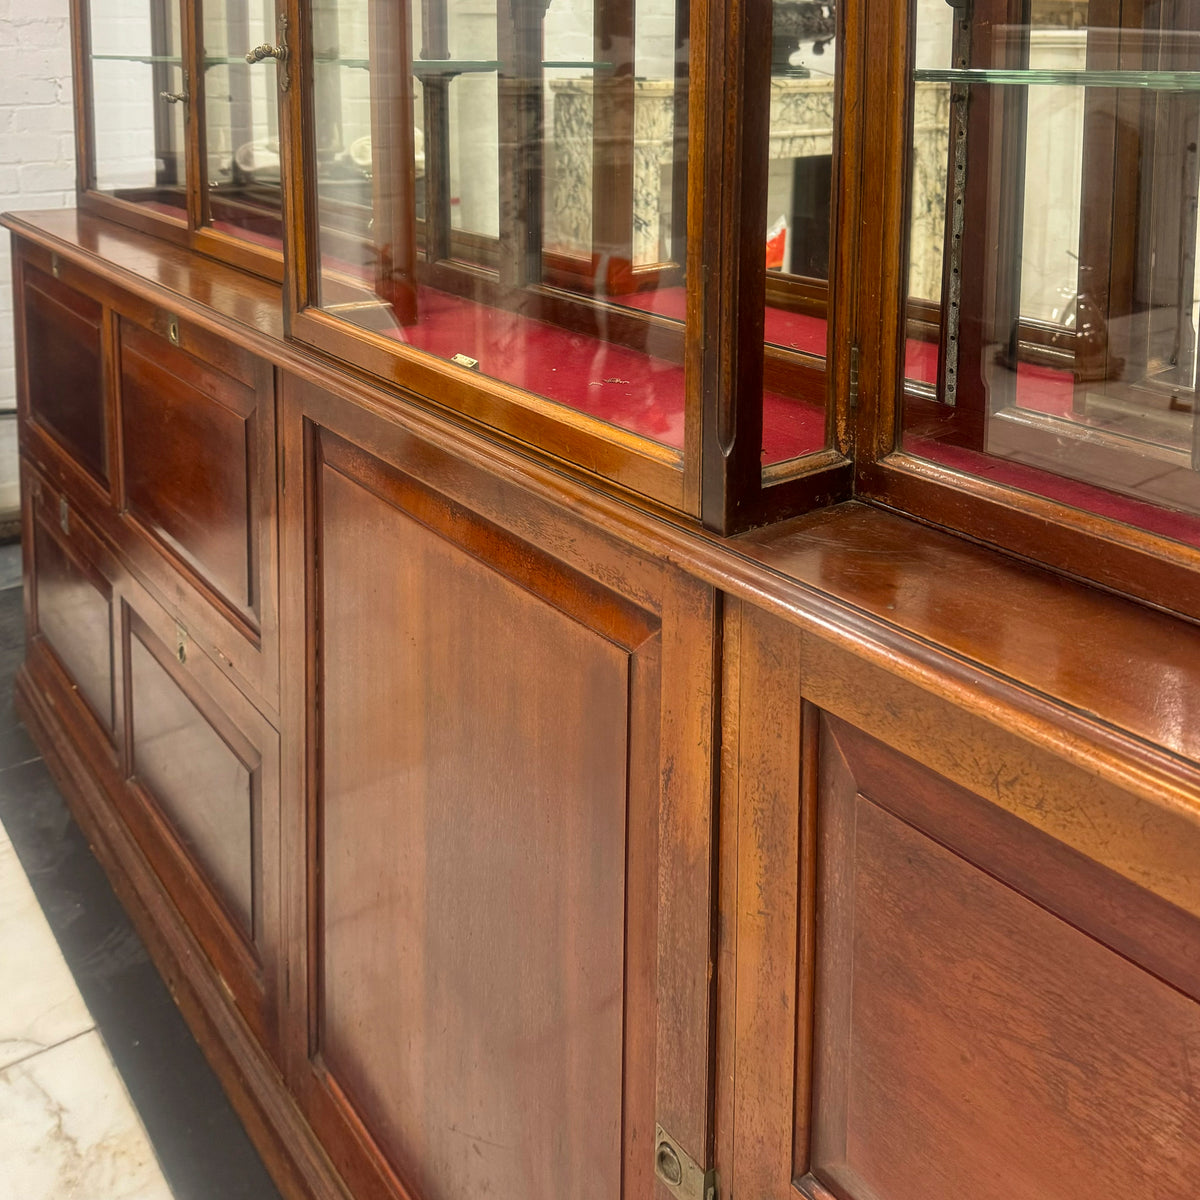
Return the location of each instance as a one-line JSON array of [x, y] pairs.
[[682, 1175]]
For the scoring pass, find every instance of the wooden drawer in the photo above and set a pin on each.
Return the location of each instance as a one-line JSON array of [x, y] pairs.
[[197, 491], [189, 765], [62, 370], [202, 800], [71, 606], [192, 438]]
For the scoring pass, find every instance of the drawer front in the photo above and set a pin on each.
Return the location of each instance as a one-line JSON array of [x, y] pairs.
[[202, 780], [190, 437], [64, 369], [205, 777], [72, 603]]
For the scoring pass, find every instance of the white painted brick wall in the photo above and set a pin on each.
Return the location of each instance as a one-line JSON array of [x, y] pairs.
[[37, 157]]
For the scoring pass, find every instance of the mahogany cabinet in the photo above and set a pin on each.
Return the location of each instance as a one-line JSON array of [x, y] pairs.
[[539, 844], [615, 583], [501, 839], [949, 971]]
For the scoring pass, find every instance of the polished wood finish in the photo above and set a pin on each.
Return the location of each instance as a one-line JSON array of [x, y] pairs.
[[765, 981], [589, 921], [72, 608], [202, 784], [484, 811], [914, 971], [967, 1039], [183, 747], [481, 885], [202, 799], [64, 382], [189, 443]]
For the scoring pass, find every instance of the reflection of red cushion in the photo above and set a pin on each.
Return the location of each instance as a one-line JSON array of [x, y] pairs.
[[776, 241]]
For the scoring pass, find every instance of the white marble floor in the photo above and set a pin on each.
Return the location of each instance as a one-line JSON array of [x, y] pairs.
[[67, 1128]]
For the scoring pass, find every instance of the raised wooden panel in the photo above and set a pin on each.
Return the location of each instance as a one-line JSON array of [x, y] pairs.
[[473, 861], [200, 794], [73, 605], [971, 1041], [64, 377], [508, 848], [205, 786], [189, 443]]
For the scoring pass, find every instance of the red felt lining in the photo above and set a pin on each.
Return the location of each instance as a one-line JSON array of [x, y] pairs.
[[1181, 527]]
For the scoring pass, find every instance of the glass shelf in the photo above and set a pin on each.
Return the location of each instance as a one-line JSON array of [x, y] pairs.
[[147, 59], [1156, 81], [225, 60], [456, 66], [428, 66]]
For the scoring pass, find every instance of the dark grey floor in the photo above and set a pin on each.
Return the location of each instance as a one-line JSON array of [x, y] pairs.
[[204, 1152]]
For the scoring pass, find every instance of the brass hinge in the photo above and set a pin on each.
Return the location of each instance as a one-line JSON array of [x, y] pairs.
[[683, 1176], [854, 377]]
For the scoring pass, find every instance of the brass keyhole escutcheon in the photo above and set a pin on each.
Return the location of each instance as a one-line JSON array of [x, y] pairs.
[[667, 1164]]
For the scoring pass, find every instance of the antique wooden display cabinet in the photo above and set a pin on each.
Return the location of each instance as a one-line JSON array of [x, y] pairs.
[[615, 582]]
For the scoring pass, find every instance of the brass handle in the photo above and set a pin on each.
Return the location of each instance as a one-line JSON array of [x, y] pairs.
[[278, 53], [176, 97], [265, 51]]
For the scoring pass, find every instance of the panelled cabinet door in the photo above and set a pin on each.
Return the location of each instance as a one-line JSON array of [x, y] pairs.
[[70, 609], [944, 991], [190, 765], [202, 799], [506, 853], [61, 370]]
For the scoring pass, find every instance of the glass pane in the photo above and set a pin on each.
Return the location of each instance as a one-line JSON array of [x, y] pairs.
[[515, 196], [1053, 297], [800, 162], [138, 100], [242, 121]]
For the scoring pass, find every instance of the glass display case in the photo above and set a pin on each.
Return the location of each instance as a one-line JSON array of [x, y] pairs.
[[734, 262], [498, 200], [1050, 349], [138, 105], [179, 128]]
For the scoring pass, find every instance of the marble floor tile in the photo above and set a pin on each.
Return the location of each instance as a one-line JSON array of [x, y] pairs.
[[40, 1005], [69, 1132]]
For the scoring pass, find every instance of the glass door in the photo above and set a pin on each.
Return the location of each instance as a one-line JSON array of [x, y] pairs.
[[497, 190], [138, 100], [179, 118], [243, 54], [1054, 294]]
